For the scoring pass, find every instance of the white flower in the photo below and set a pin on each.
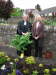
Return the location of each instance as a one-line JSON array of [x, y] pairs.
[[11, 63], [3, 67]]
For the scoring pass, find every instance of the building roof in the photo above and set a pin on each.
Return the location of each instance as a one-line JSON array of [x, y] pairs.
[[33, 11], [49, 10], [45, 11]]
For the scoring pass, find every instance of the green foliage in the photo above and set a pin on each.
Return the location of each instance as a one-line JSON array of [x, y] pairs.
[[30, 60], [2, 58], [50, 22], [14, 72], [20, 42], [35, 72], [26, 71], [2, 61], [54, 69], [6, 8], [38, 7], [17, 12], [2, 54], [46, 72]]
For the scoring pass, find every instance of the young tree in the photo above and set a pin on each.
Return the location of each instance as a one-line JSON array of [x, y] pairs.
[[2, 7], [38, 7], [6, 8]]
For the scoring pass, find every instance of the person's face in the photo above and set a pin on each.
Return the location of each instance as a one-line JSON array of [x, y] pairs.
[[25, 18], [39, 18]]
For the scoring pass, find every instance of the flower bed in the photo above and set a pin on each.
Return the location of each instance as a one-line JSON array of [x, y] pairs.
[[24, 66]]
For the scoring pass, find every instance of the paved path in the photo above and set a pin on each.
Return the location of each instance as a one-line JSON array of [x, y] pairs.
[[47, 61], [9, 51]]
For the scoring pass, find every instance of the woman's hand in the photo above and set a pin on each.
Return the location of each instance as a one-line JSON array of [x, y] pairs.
[[36, 37], [25, 33]]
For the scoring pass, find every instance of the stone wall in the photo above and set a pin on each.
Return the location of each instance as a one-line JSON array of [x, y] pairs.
[[50, 39], [8, 31], [12, 20]]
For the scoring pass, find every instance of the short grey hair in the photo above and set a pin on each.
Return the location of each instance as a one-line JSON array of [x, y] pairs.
[[24, 14], [37, 15]]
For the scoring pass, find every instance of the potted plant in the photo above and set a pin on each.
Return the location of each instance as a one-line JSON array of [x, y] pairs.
[[20, 42], [48, 54]]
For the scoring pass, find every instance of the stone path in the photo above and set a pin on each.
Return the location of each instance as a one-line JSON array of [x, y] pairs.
[[9, 51], [47, 61]]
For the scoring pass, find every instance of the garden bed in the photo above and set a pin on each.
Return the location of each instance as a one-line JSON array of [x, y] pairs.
[[24, 66]]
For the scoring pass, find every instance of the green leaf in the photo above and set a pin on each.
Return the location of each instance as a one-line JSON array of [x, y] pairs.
[[20, 42]]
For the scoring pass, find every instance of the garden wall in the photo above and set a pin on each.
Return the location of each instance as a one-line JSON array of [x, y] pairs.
[[8, 31], [12, 20]]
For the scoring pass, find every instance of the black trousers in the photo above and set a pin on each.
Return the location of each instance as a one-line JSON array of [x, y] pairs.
[[29, 48], [38, 47], [28, 51]]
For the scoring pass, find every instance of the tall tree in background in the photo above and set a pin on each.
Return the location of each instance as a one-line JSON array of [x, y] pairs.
[[6, 8], [38, 7], [2, 7]]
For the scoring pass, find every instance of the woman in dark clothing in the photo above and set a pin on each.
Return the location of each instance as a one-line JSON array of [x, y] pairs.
[[23, 28]]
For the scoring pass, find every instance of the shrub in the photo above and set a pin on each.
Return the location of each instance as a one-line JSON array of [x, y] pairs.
[[50, 22], [20, 42], [35, 72], [30, 60], [2, 61]]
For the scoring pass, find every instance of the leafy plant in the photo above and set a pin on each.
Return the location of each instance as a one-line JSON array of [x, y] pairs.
[[35, 72], [41, 65], [30, 60], [2, 61], [20, 42], [17, 12], [50, 22], [2, 54], [46, 71], [2, 58], [54, 69], [14, 72], [26, 71]]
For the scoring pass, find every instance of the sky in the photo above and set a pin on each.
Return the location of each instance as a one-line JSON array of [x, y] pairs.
[[30, 4]]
